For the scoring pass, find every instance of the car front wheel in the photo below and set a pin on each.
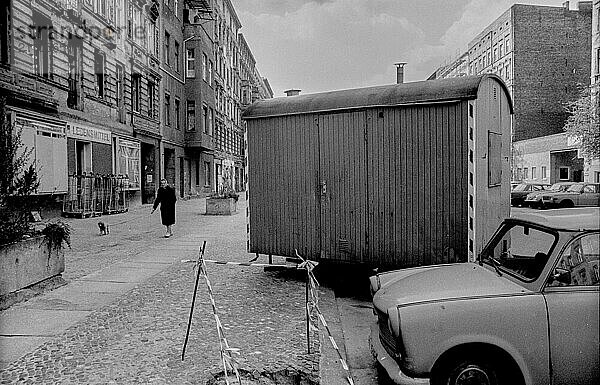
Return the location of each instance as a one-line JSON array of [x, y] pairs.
[[468, 371]]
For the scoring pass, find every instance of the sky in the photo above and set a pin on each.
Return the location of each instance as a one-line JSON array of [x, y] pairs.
[[325, 45]]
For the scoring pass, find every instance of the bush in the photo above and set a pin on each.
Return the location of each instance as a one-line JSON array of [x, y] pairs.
[[18, 180]]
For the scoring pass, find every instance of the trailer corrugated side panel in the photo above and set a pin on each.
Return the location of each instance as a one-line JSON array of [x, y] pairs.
[[417, 175], [283, 202]]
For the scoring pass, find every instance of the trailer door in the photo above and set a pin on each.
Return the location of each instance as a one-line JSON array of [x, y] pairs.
[[342, 186]]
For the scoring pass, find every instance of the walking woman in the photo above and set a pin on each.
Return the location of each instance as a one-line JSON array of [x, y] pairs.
[[166, 198]]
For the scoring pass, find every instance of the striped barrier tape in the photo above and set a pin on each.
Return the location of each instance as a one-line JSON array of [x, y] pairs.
[[312, 307], [312, 302], [242, 263], [227, 353]]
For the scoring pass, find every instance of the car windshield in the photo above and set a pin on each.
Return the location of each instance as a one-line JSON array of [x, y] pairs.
[[519, 250], [521, 187], [575, 188], [557, 187]]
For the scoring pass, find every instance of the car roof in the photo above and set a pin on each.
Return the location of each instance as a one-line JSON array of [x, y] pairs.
[[575, 219]]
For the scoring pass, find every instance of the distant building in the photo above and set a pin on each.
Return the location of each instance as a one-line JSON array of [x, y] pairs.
[[592, 166], [542, 54]]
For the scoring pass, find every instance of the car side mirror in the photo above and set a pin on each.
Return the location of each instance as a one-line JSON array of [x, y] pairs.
[[561, 275]]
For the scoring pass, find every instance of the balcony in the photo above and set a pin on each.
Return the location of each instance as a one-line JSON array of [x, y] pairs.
[[199, 140], [21, 89]]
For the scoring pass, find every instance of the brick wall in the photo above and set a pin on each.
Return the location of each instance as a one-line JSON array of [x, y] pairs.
[[551, 60]]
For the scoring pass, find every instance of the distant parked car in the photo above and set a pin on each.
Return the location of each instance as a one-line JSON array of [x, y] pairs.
[[578, 194], [519, 193], [534, 199], [525, 313]]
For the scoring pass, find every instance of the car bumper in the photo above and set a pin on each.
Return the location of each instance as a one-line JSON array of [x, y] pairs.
[[388, 363]]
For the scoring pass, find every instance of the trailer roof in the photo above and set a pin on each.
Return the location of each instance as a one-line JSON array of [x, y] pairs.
[[423, 92]]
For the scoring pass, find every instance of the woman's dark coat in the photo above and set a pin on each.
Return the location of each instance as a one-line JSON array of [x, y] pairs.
[[166, 198]]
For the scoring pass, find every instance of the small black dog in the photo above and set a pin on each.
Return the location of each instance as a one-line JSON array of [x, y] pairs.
[[103, 228]]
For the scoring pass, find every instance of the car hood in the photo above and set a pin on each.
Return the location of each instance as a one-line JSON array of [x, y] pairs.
[[441, 282]]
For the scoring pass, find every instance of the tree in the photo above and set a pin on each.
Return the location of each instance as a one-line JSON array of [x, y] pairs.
[[583, 123], [18, 180]]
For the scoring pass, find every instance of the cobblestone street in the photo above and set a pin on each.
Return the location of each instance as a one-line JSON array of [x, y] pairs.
[[137, 337]]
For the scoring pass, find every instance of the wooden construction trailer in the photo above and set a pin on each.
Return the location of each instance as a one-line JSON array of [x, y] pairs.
[[391, 176]]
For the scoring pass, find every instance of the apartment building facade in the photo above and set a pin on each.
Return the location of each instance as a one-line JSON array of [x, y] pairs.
[[543, 55], [122, 87]]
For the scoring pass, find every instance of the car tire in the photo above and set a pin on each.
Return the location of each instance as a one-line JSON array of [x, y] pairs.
[[567, 204], [468, 370]]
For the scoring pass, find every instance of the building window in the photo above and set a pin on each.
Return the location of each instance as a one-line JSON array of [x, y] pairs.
[[205, 117], [135, 92], [177, 115], [204, 66], [210, 71], [206, 174], [99, 69], [544, 172], [563, 173], [598, 61], [167, 110], [42, 46], [191, 115], [597, 177], [177, 68], [151, 96], [190, 70], [5, 28], [534, 173], [210, 121], [167, 47], [525, 173], [197, 172]]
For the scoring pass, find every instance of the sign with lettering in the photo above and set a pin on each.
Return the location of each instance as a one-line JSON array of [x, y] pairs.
[[87, 133]]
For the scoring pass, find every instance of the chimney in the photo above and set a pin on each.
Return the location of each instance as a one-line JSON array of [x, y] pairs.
[[292, 92], [400, 72]]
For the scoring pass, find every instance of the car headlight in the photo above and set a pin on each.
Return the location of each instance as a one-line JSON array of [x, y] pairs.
[[375, 284]]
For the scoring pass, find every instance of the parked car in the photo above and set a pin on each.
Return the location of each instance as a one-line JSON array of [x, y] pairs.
[[525, 313], [578, 194], [519, 193], [534, 199]]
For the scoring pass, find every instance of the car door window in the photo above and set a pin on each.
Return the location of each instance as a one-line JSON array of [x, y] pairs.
[[588, 189], [578, 263]]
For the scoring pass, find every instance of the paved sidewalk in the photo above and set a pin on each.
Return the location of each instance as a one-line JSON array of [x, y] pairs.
[[122, 316]]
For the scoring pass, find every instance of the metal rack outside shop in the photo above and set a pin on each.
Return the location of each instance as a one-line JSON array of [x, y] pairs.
[[91, 195]]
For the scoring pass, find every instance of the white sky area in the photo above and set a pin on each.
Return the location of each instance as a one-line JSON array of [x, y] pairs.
[[326, 45]]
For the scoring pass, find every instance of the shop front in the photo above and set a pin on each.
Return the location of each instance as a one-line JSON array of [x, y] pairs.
[[89, 150]]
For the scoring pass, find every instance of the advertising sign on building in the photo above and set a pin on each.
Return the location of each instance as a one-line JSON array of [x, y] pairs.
[[87, 133]]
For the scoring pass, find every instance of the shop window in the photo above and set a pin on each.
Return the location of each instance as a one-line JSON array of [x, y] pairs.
[[128, 162]]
